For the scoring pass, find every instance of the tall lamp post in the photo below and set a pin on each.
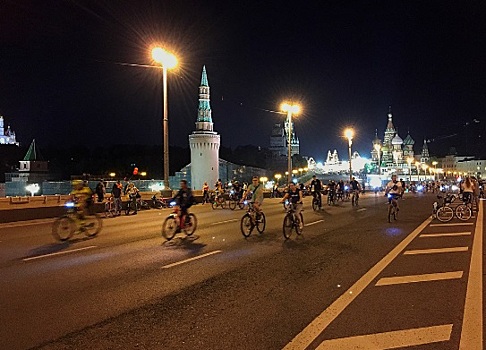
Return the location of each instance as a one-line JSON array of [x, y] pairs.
[[409, 161], [349, 133], [378, 151], [290, 109], [434, 163], [167, 61]]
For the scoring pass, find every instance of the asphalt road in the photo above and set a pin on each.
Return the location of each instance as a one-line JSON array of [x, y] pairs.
[[351, 280]]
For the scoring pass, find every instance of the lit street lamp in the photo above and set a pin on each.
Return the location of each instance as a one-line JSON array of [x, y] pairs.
[[290, 109], [167, 61], [434, 163], [410, 161], [278, 177], [378, 151], [349, 133]]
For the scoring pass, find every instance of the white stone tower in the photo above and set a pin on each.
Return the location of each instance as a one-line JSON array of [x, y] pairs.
[[204, 142]]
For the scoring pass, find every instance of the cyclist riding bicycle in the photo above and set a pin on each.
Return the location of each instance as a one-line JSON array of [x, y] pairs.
[[257, 195], [184, 199], [82, 196], [294, 195], [316, 188], [394, 190]]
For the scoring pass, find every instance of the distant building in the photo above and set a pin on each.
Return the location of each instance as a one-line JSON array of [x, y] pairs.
[[7, 137]]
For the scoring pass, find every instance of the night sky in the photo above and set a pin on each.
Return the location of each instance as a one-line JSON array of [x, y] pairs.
[[63, 78]]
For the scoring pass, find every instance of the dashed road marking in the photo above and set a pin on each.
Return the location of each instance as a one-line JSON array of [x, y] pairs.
[[472, 327], [436, 250], [426, 235], [387, 281], [313, 223], [391, 340], [224, 222], [59, 253], [362, 209], [453, 224], [191, 259]]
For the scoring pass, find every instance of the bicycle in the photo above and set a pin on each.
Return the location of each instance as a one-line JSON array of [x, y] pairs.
[[73, 222], [173, 224], [331, 198], [133, 204], [218, 201], [444, 212], [464, 211], [316, 201], [249, 221], [392, 208], [293, 222], [111, 208], [234, 201]]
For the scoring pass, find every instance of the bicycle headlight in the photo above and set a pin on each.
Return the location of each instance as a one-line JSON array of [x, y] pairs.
[[69, 204], [245, 202], [172, 203]]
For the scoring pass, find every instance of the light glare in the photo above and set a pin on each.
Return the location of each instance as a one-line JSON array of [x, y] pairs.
[[165, 58]]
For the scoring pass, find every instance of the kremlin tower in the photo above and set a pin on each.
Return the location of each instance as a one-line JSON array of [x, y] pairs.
[[204, 142]]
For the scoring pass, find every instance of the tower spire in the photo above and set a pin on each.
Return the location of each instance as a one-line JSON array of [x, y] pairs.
[[204, 120], [204, 77]]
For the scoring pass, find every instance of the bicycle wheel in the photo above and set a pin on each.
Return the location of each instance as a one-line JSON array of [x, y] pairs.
[[241, 205], [463, 212], [288, 224], [92, 225], [108, 211], [223, 204], [261, 223], [444, 214], [169, 228], [391, 212], [191, 225], [315, 204], [214, 205], [232, 204], [299, 226], [63, 228], [246, 225]]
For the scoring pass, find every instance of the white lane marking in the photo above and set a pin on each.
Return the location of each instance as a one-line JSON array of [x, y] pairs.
[[223, 222], [313, 223], [24, 223], [59, 253], [391, 340], [320, 323], [436, 250], [387, 281], [454, 224], [472, 326], [425, 235], [362, 209], [191, 259]]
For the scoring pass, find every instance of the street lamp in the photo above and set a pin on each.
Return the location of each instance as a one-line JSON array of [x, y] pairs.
[[167, 61], [290, 109], [278, 177], [409, 161], [434, 163], [349, 133], [378, 151], [424, 168], [417, 165]]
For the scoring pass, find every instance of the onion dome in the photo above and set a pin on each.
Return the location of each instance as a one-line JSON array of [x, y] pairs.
[[397, 140], [408, 140]]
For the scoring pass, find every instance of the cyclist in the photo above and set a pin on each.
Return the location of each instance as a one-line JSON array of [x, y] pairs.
[[81, 195], [218, 189], [205, 190], [184, 199], [316, 188], [257, 195], [394, 188], [294, 195], [331, 194], [133, 194]]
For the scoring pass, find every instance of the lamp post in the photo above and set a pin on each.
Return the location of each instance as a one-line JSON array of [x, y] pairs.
[[434, 163], [424, 167], [417, 165], [167, 61], [290, 109], [409, 161], [378, 151], [349, 133]]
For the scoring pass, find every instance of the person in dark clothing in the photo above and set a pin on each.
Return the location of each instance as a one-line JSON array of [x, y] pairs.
[[100, 191], [184, 199], [116, 193], [316, 188]]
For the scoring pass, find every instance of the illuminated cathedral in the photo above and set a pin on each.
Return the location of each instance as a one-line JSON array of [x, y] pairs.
[[7, 137]]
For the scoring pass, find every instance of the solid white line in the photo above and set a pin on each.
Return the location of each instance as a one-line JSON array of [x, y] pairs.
[[436, 250], [191, 259], [472, 326], [313, 223], [426, 235], [454, 224], [387, 281], [320, 323], [223, 222], [26, 223], [362, 209], [59, 253], [391, 340]]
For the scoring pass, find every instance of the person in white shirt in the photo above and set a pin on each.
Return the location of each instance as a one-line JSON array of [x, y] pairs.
[[394, 190]]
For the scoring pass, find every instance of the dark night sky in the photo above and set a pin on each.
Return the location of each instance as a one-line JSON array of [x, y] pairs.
[[345, 61]]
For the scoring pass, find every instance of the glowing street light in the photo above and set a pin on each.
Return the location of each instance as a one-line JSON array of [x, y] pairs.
[[32, 188], [112, 175], [349, 133], [278, 177], [378, 151], [434, 163], [410, 161], [167, 61], [290, 109]]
